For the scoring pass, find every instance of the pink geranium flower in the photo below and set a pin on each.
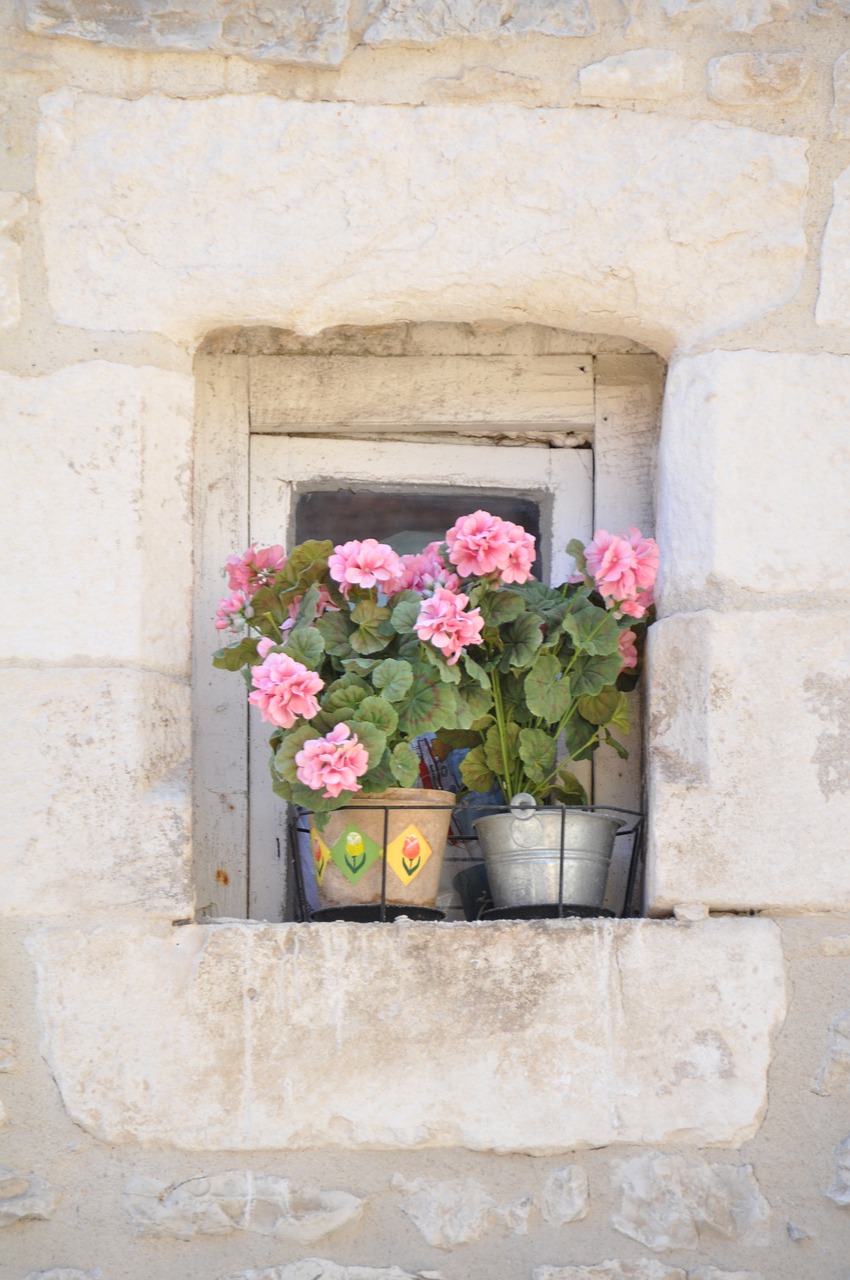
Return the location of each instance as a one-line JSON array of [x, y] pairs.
[[646, 558], [444, 621], [255, 568], [521, 554], [628, 652], [636, 608], [233, 612], [364, 564], [284, 689], [323, 605], [334, 762], [423, 572], [478, 543], [612, 563]]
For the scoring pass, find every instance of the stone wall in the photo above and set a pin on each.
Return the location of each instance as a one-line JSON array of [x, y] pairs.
[[652, 1099]]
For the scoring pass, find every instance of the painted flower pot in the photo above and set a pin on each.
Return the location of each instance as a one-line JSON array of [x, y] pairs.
[[522, 852], [349, 852]]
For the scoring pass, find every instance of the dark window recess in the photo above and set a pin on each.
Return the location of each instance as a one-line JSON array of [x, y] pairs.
[[408, 521]]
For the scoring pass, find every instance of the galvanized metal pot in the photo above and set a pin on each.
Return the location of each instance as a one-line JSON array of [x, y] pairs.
[[522, 851]]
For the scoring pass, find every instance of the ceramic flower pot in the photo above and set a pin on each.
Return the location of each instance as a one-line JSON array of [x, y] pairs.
[[522, 852], [407, 827]]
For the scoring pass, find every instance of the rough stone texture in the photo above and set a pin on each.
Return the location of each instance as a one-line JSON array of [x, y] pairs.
[[8, 1054], [24, 1195], [712, 1273], [669, 228], [565, 1195], [672, 1202], [101, 456], [834, 1074], [95, 797], [721, 519], [840, 1189], [304, 31], [425, 21], [613, 1269], [833, 305], [12, 208], [563, 1051], [841, 98], [769, 821], [740, 79], [65, 1273], [456, 1211], [235, 1200], [475, 83], [321, 1269], [652, 74], [727, 15]]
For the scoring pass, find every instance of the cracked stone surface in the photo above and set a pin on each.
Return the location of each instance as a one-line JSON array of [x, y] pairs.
[[265, 1204], [651, 74], [8, 1054], [833, 305], [455, 1211], [690, 225], [834, 1073], [739, 79], [841, 98], [672, 1202], [424, 21], [839, 1192], [727, 15], [565, 1195], [13, 208], [315, 32], [24, 1195]]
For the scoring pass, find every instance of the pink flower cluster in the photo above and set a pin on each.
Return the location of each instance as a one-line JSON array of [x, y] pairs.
[[483, 544], [255, 568], [284, 689], [628, 652], [423, 573], [234, 611], [443, 620], [334, 762], [364, 564], [323, 605], [623, 568]]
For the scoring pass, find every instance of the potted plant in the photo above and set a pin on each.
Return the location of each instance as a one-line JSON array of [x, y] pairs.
[[332, 662]]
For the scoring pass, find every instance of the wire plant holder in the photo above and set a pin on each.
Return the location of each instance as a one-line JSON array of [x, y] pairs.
[[628, 857]]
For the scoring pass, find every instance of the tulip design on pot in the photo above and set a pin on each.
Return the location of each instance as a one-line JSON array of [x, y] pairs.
[[355, 853], [411, 854]]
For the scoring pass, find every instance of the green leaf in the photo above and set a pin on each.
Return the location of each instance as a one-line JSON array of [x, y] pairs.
[[475, 772], [493, 754], [477, 702], [373, 631], [500, 607], [266, 603], [569, 790], [429, 705], [609, 706], [546, 602], [404, 765], [380, 713], [393, 677], [592, 630], [459, 739], [522, 640], [405, 613], [537, 752], [575, 548], [591, 674], [449, 675], [475, 671], [344, 697], [305, 644], [363, 666], [243, 654], [307, 608], [370, 737], [307, 563], [380, 778], [283, 762], [621, 751], [335, 630], [580, 738], [547, 691]]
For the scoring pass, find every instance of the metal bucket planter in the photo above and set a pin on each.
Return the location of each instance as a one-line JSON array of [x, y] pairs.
[[386, 848], [541, 857]]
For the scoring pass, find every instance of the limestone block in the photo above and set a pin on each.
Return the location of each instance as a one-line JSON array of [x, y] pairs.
[[8, 1054], [585, 1033], [516, 1215], [613, 1269], [472, 83], [834, 1073], [840, 1189], [95, 795], [728, 526], [97, 463], [653, 74], [237, 1200], [662, 227], [670, 1202], [841, 98], [712, 1273], [312, 31], [456, 1211], [24, 1195], [321, 1269], [425, 21], [727, 15], [65, 1273], [744, 79], [749, 761], [833, 305], [565, 1195], [12, 208]]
